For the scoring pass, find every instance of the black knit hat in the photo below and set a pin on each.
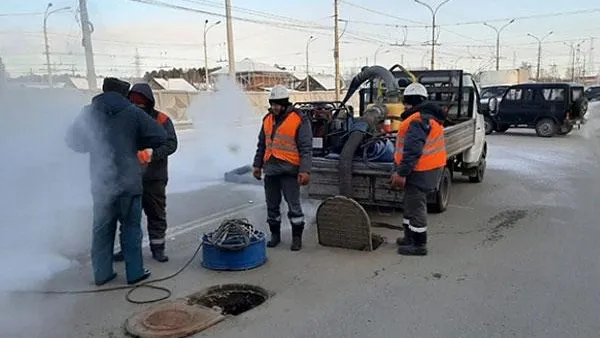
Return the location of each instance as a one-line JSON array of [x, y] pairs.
[[112, 84]]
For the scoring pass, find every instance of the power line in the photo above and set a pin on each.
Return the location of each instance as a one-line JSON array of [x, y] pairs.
[[22, 14]]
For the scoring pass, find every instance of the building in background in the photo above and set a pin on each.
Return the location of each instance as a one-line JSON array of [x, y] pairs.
[[318, 82], [257, 76], [172, 84]]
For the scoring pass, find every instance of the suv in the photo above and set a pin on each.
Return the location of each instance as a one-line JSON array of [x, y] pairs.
[[549, 108], [488, 93], [592, 93]]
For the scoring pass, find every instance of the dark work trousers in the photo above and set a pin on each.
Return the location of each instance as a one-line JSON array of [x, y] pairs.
[[107, 211], [287, 185], [154, 202], [415, 209]]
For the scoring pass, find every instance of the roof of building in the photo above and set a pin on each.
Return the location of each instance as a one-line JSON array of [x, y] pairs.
[[327, 81], [249, 66], [175, 84]]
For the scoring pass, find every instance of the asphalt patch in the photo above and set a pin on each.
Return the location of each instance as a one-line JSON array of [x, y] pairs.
[[502, 221]]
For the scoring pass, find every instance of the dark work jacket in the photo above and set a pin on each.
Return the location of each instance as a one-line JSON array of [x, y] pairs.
[[112, 130], [414, 142], [158, 168], [275, 166]]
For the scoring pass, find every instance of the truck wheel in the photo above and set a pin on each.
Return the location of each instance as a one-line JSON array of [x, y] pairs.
[[546, 128], [442, 194], [489, 125], [478, 176]]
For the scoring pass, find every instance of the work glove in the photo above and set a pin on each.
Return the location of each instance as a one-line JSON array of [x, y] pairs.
[[303, 178], [397, 181], [257, 173], [145, 156]]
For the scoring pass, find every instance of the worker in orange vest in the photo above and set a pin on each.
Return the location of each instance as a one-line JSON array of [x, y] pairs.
[[284, 155], [419, 159]]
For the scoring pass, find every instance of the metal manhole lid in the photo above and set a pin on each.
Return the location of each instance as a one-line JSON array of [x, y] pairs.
[[342, 222], [174, 319]]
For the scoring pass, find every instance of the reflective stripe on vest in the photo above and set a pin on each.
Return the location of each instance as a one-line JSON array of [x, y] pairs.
[[162, 118], [434, 150], [282, 145]]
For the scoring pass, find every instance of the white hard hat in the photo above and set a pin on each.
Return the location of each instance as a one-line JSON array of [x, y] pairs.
[[415, 89], [279, 92]]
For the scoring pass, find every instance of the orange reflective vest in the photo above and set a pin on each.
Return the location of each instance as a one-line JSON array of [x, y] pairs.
[[434, 150], [282, 144]]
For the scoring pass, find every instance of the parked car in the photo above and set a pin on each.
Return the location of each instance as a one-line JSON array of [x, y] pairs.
[[488, 93], [592, 93], [549, 108]]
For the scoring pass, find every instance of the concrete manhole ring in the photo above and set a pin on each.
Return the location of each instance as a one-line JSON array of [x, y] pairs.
[[174, 319]]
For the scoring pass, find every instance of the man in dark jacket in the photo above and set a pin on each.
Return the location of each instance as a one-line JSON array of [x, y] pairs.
[[112, 130], [284, 154], [419, 159], [155, 162]]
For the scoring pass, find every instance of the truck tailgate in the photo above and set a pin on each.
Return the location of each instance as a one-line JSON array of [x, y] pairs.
[[370, 181]]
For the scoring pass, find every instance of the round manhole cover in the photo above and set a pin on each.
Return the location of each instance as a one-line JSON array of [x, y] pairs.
[[171, 320], [230, 299]]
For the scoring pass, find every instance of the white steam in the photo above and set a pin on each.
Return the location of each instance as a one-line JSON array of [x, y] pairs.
[[224, 138]]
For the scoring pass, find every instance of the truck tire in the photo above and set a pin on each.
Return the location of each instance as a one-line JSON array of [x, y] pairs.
[[489, 125], [579, 108], [546, 128], [478, 175], [442, 194]]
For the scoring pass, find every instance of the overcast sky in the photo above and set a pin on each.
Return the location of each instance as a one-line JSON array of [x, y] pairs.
[[173, 38]]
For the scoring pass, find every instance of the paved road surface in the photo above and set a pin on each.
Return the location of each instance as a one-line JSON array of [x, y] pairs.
[[514, 256]]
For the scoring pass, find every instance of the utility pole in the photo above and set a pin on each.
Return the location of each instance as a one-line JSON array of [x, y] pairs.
[[591, 57], [572, 47], [206, 28], [433, 14], [310, 39], [514, 59], [336, 49], [231, 57], [498, 31], [87, 29], [539, 57], [47, 13]]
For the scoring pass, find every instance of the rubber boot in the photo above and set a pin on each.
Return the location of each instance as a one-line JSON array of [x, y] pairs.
[[118, 257], [158, 253], [417, 248], [407, 239], [275, 235], [297, 237]]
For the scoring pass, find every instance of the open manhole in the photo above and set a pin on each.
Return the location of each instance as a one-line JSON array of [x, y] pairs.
[[230, 299]]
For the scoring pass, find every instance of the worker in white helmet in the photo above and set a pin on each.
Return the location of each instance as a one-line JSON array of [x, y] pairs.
[[284, 155], [419, 159]]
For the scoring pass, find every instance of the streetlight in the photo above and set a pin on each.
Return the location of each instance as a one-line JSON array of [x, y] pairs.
[[206, 28], [498, 31], [377, 52], [47, 13], [433, 14], [539, 59], [310, 39]]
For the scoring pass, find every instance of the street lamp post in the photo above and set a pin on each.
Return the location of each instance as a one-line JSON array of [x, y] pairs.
[[206, 28], [498, 31], [539, 58], [47, 13], [310, 39], [433, 14]]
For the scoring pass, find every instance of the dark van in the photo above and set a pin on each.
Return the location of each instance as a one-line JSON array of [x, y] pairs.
[[549, 108]]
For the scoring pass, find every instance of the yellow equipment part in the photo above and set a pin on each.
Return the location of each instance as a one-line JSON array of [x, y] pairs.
[[392, 120]]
